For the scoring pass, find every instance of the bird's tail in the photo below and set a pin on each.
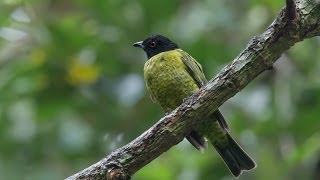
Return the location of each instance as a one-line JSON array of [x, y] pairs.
[[234, 156], [197, 140]]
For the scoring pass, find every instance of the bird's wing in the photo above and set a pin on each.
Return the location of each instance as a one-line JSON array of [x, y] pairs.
[[196, 72], [194, 69], [223, 123]]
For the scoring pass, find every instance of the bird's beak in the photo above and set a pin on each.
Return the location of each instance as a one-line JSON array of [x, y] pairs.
[[138, 44]]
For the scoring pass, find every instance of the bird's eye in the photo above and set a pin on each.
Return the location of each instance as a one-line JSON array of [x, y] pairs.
[[152, 44]]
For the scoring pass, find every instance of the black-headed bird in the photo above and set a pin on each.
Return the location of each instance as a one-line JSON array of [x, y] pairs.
[[171, 75]]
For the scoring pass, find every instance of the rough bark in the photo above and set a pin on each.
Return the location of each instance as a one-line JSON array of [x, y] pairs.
[[298, 21]]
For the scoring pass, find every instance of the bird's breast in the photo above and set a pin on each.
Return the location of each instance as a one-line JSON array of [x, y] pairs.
[[168, 81]]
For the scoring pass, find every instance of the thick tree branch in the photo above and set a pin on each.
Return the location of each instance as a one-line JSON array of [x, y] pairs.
[[295, 23]]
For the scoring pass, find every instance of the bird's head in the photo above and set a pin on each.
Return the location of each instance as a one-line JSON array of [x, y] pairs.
[[156, 44]]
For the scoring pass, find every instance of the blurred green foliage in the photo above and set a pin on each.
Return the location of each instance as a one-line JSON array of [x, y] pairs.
[[71, 87]]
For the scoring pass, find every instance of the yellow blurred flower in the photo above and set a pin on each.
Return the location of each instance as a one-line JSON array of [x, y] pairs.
[[79, 73], [38, 56]]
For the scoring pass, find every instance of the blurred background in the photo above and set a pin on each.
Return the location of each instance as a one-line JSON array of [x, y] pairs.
[[72, 88]]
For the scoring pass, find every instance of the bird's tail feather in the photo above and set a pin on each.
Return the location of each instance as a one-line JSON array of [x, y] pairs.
[[197, 141], [235, 157]]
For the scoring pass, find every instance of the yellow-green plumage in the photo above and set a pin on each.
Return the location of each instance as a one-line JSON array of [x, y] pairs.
[[167, 79], [172, 75], [169, 82]]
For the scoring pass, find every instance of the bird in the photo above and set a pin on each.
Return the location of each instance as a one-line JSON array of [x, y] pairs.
[[171, 75]]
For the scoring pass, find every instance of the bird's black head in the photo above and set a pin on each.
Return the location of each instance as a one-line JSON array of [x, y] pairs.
[[156, 44]]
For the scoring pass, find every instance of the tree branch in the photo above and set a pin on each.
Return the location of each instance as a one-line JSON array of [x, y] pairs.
[[294, 23]]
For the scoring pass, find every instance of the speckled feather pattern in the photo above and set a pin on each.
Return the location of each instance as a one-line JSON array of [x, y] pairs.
[[167, 79]]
